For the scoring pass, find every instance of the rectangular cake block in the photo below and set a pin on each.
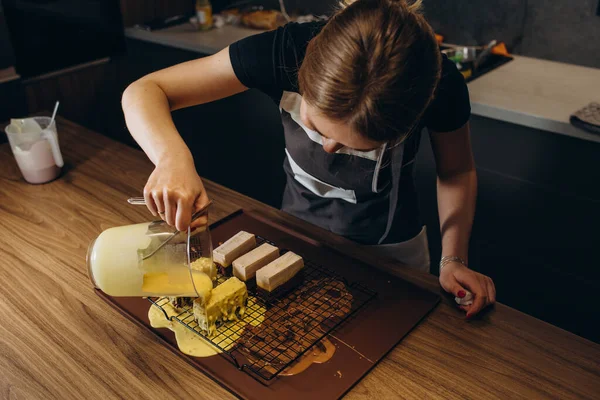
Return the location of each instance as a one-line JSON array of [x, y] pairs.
[[246, 266], [278, 272], [227, 301], [235, 247]]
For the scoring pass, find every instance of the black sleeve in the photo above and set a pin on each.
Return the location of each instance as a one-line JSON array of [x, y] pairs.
[[270, 61], [450, 109]]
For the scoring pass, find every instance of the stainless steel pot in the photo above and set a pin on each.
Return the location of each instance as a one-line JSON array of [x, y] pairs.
[[468, 54]]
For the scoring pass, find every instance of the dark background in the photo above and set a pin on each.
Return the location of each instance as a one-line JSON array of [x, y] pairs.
[[558, 30]]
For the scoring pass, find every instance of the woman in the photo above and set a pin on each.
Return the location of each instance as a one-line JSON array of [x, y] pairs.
[[354, 95]]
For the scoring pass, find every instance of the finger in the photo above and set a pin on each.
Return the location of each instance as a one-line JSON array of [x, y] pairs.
[[158, 201], [473, 284], [200, 221], [170, 208], [468, 280], [465, 308], [451, 285], [491, 291], [200, 202], [184, 214], [150, 201], [479, 302], [465, 301]]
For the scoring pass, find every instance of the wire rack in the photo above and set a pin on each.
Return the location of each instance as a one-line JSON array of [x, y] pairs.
[[279, 327]]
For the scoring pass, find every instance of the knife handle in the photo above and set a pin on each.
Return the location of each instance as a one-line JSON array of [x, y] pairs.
[[139, 201]]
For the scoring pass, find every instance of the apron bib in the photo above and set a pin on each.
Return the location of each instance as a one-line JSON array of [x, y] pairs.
[[352, 193]]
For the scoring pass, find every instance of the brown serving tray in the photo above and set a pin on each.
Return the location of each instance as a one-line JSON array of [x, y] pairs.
[[360, 342]]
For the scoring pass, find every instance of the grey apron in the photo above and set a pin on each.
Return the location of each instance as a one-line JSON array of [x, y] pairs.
[[351, 193]]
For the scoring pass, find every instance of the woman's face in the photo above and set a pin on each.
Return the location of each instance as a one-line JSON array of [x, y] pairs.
[[335, 134]]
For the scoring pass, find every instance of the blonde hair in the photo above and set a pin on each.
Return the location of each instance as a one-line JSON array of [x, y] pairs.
[[374, 65]]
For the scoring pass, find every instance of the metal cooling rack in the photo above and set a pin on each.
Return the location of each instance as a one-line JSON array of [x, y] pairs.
[[264, 349]]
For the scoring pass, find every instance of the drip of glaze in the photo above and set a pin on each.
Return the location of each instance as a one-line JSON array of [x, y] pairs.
[[319, 354]]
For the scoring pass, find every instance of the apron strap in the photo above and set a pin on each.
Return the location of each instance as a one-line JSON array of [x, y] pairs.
[[396, 158]]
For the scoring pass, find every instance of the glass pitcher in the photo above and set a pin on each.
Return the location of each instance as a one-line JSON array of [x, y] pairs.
[[152, 259], [34, 143]]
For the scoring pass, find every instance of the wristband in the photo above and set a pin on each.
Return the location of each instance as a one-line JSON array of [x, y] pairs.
[[448, 259]]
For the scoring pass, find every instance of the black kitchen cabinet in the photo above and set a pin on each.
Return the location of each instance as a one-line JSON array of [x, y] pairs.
[[12, 102], [535, 225], [237, 142], [12, 96], [53, 35]]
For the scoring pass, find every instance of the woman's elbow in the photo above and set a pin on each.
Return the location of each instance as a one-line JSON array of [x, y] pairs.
[[130, 93], [143, 89]]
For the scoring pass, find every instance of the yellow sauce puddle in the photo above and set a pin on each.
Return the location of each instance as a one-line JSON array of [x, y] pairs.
[[191, 343]]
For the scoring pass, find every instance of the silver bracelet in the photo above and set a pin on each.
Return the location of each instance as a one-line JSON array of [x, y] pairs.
[[448, 259]]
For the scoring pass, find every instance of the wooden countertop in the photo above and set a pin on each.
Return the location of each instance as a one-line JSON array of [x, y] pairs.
[[59, 340], [531, 92]]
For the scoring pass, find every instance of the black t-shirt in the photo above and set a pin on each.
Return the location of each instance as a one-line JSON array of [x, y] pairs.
[[331, 190]]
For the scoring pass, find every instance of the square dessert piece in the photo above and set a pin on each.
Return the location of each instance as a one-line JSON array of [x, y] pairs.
[[227, 302], [235, 247], [278, 272]]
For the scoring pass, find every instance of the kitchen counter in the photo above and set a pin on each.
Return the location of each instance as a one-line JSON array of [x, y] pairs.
[[59, 340], [530, 92], [186, 37], [538, 94], [8, 75]]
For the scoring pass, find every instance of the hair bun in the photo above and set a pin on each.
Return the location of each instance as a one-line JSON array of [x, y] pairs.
[[412, 5]]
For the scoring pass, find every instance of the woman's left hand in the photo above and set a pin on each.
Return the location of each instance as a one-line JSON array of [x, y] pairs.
[[455, 278]]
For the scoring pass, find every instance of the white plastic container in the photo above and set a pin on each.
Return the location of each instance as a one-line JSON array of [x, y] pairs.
[[34, 143]]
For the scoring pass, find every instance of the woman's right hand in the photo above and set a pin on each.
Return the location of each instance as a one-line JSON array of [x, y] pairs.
[[174, 191]]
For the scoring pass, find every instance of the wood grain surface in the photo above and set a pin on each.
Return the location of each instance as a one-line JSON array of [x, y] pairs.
[[58, 340]]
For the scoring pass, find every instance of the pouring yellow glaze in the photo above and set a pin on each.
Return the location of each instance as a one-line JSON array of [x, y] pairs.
[[177, 282], [117, 267]]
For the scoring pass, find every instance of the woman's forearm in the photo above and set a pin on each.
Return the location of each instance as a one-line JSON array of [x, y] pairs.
[[148, 117], [148, 102], [456, 196]]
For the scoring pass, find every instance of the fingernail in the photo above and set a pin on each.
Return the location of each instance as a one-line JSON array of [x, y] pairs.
[[469, 316], [461, 293]]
